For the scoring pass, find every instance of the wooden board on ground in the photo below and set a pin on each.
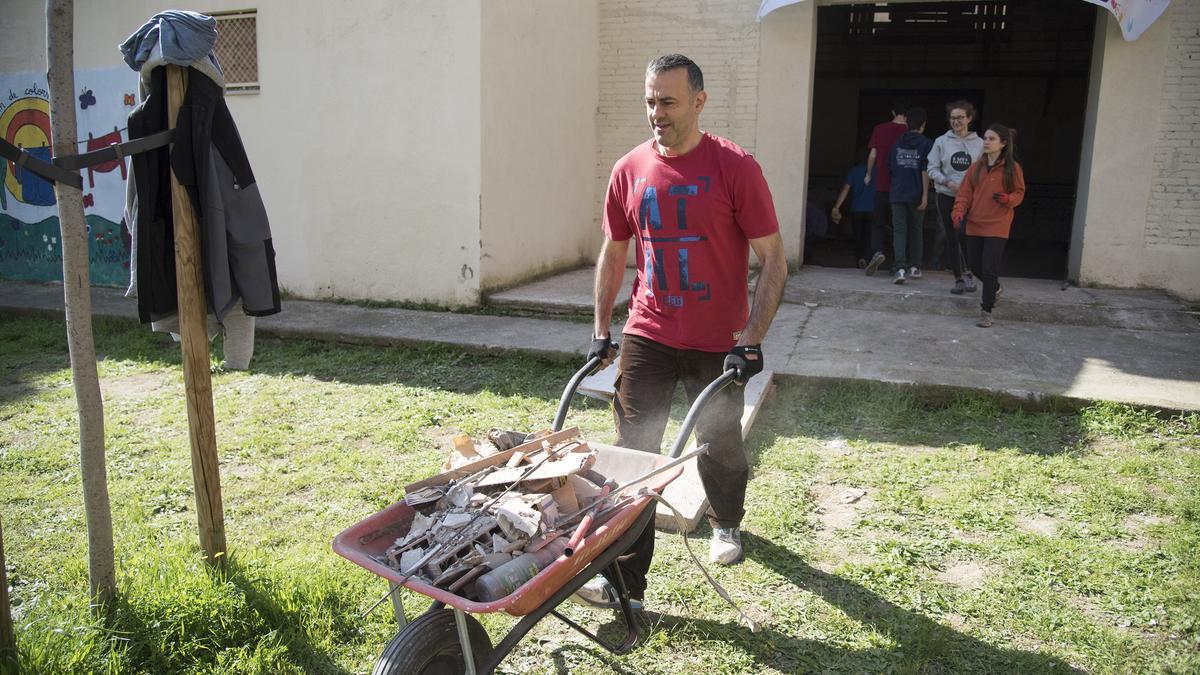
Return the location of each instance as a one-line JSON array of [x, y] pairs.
[[602, 384], [686, 493]]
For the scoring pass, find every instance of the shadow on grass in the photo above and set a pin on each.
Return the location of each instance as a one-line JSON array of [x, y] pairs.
[[922, 645], [289, 623], [873, 413], [265, 626], [36, 344]]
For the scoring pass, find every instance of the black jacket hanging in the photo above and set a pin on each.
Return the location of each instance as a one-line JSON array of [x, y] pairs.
[[238, 259]]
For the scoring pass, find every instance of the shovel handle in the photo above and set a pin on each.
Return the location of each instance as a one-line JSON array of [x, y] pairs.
[[586, 523]]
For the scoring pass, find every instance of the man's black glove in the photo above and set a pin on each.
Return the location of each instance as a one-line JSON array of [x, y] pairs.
[[746, 360], [603, 347]]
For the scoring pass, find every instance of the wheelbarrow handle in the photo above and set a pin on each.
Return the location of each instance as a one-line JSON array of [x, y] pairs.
[[588, 368], [689, 422]]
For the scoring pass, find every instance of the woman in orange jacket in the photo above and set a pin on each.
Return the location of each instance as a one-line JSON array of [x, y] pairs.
[[983, 207]]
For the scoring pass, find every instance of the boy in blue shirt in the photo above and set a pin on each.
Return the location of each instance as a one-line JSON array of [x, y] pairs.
[[909, 196], [862, 203]]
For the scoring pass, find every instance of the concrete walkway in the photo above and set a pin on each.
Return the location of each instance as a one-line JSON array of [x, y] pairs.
[[1048, 344]]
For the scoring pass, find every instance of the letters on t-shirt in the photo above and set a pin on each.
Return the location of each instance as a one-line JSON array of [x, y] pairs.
[[657, 244]]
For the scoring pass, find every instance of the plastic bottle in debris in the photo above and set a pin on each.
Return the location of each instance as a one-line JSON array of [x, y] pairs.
[[508, 577]]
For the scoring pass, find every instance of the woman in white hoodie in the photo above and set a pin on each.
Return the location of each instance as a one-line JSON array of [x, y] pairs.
[[952, 154]]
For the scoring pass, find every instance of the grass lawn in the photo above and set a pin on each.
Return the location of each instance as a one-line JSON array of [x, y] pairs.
[[987, 540]]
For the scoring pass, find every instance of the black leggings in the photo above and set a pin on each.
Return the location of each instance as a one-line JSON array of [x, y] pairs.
[[983, 255], [954, 251]]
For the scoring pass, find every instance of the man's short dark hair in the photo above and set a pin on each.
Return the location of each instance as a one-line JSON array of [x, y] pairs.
[[916, 118], [673, 61], [900, 104]]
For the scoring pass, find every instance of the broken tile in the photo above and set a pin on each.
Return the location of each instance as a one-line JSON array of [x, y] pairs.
[[517, 517], [457, 520], [460, 495], [418, 528], [410, 558]]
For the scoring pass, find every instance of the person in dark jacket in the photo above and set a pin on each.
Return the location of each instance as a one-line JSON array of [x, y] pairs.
[[909, 195]]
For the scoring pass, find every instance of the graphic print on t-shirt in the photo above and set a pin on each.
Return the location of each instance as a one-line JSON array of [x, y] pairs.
[[667, 252], [960, 161]]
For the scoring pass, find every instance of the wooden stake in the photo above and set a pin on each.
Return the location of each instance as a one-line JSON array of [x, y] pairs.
[[193, 332], [8, 639]]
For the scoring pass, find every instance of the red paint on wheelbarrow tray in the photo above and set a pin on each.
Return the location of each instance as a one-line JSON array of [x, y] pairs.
[[362, 542]]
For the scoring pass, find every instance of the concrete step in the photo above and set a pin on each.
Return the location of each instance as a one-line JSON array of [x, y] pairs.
[[565, 293], [1030, 300]]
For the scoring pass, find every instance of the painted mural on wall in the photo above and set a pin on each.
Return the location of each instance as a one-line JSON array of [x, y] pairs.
[[30, 245]]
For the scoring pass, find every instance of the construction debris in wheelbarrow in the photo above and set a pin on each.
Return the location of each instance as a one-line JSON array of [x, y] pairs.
[[495, 523]]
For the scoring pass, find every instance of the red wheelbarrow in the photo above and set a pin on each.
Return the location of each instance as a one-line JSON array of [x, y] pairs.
[[447, 639]]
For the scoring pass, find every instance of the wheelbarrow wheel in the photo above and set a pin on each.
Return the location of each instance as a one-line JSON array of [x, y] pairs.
[[429, 646]]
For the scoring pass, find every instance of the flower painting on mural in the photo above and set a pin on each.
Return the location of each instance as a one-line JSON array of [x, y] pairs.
[[1133, 16]]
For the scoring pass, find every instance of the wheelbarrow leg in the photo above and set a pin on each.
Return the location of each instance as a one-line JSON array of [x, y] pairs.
[[398, 604], [464, 639], [613, 572]]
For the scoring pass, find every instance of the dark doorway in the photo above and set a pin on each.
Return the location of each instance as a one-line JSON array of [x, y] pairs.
[[1023, 63]]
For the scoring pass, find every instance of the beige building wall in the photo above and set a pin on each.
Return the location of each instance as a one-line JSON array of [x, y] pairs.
[[403, 150], [721, 37], [1137, 220], [539, 96], [365, 137], [788, 45]]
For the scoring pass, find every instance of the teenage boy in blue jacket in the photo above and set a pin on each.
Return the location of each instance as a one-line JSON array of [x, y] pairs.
[[909, 196]]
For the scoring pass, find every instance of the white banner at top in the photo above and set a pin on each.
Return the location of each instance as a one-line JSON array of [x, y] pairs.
[[1134, 16], [769, 6]]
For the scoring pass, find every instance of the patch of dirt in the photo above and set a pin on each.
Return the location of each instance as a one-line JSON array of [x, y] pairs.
[[838, 505], [833, 554], [935, 493], [955, 621], [138, 385], [965, 574], [1067, 489], [1136, 524], [1156, 491], [241, 470], [969, 537], [1088, 607], [1039, 524], [838, 446]]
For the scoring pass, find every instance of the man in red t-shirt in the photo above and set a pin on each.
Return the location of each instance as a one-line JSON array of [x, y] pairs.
[[883, 139], [695, 205]]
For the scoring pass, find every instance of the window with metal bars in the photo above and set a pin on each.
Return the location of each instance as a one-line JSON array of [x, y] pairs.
[[237, 49]]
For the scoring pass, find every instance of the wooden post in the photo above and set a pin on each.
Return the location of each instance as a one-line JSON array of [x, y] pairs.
[[8, 639], [193, 331]]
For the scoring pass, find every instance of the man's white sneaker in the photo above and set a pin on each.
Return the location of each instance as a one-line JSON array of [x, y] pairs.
[[600, 594], [726, 547]]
